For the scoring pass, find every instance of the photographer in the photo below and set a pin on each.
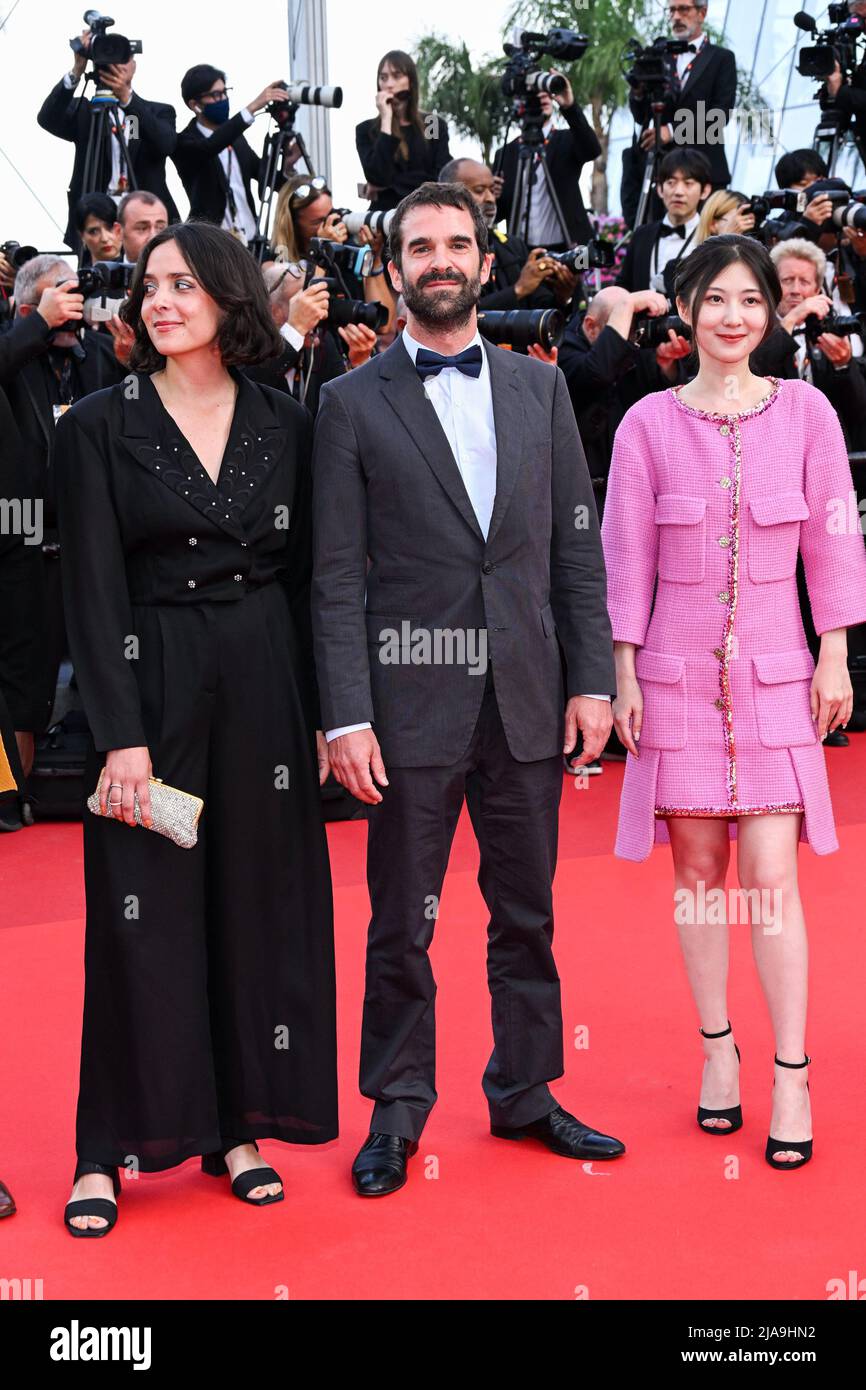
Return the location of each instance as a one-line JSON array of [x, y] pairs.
[[95, 218], [657, 248], [519, 278], [703, 84], [71, 364], [216, 165], [567, 152], [607, 373], [310, 356], [832, 364], [69, 118], [400, 147], [141, 216], [29, 333], [725, 211], [844, 92]]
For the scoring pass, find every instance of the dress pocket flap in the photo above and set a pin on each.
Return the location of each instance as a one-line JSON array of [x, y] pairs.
[[658, 666], [775, 667], [671, 509], [783, 506]]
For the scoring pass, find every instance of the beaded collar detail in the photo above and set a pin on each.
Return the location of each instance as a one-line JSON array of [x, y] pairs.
[[720, 416]]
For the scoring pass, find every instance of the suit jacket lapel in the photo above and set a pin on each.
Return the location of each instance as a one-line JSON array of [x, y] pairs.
[[402, 389], [698, 66], [508, 420]]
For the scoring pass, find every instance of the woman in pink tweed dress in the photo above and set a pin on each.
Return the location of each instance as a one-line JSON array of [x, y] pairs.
[[714, 488]]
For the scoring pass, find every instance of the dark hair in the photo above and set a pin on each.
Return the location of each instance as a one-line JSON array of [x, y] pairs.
[[692, 163], [440, 195], [141, 194], [698, 271], [94, 205], [198, 80], [796, 164], [405, 64], [227, 272]]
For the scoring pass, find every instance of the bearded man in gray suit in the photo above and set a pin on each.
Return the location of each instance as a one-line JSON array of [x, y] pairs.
[[461, 641]]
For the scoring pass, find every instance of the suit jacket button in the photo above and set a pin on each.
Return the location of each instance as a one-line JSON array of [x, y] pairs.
[[488, 567]]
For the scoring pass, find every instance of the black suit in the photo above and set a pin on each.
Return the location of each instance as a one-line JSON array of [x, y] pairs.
[[327, 364], [68, 117], [711, 81], [509, 257], [196, 158], [567, 152], [22, 700], [387, 493], [638, 267]]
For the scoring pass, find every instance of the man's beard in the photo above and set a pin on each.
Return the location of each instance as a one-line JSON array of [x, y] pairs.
[[442, 308]]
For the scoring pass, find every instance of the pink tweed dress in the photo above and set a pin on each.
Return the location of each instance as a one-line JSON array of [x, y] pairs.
[[704, 518]]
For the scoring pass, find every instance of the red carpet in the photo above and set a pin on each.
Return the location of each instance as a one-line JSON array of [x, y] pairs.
[[479, 1218]]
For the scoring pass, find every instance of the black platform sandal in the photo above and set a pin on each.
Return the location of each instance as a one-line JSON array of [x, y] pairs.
[[777, 1146], [92, 1206], [215, 1166], [735, 1113]]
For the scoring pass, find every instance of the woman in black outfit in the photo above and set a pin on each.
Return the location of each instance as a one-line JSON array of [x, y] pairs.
[[184, 506], [401, 147]]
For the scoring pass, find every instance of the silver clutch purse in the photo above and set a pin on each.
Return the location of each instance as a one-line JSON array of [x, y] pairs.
[[175, 813]]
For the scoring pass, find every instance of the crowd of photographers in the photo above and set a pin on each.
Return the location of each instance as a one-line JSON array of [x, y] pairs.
[[326, 267]]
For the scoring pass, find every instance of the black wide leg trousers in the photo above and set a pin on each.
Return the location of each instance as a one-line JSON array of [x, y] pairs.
[[514, 809], [209, 996]]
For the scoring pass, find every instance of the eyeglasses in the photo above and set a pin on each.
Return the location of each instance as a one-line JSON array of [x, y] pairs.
[[674, 10], [305, 192], [293, 268], [216, 96]]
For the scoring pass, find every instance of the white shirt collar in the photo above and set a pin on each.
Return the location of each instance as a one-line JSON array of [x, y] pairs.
[[689, 226], [412, 345], [205, 129]]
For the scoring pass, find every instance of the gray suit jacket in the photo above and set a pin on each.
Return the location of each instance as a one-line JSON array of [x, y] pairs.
[[392, 516]]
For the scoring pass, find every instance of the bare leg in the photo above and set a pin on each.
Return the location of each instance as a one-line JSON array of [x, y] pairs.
[[767, 862], [701, 851]]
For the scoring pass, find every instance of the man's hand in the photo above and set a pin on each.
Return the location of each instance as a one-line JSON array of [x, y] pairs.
[[535, 269], [856, 240], [308, 307], [7, 273], [649, 302], [566, 97], [123, 336], [271, 93], [375, 240], [820, 210], [80, 59], [497, 186], [117, 77], [333, 229], [834, 82], [322, 757], [837, 350], [594, 720], [648, 139], [541, 355], [60, 303], [563, 282], [669, 353], [355, 761], [360, 341], [818, 304], [739, 221]]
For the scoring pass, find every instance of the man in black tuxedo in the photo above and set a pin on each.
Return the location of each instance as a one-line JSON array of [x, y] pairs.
[[704, 92], [66, 368], [567, 152], [216, 165], [150, 140], [456, 554], [309, 357], [657, 248]]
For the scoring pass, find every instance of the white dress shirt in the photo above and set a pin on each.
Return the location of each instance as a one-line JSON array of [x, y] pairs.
[[464, 405], [296, 340], [685, 60], [245, 221], [667, 248], [545, 228]]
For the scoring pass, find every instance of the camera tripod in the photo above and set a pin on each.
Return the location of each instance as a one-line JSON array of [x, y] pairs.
[[532, 157], [832, 137], [272, 162], [105, 123], [651, 166]]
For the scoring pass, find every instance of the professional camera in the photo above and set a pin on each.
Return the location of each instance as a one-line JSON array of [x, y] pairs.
[[838, 43], [522, 79], [595, 255], [105, 49], [651, 67], [301, 94], [324, 255], [16, 254], [848, 207], [520, 328], [376, 221], [649, 332], [842, 325], [786, 200], [105, 286], [352, 258]]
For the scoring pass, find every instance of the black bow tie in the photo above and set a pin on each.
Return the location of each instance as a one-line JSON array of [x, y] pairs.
[[665, 230], [468, 362]]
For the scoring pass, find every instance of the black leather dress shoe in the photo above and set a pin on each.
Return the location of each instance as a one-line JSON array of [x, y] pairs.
[[837, 739], [7, 1202], [380, 1167], [565, 1135]]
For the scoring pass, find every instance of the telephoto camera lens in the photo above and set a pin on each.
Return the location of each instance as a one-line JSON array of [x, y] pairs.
[[521, 328]]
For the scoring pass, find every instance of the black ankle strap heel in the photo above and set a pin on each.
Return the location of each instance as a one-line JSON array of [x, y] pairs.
[[214, 1164], [800, 1146], [735, 1114], [93, 1206]]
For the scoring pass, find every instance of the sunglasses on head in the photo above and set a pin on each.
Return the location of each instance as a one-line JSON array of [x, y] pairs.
[[306, 192]]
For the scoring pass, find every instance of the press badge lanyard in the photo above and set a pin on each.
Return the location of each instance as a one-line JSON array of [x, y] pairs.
[[685, 246]]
